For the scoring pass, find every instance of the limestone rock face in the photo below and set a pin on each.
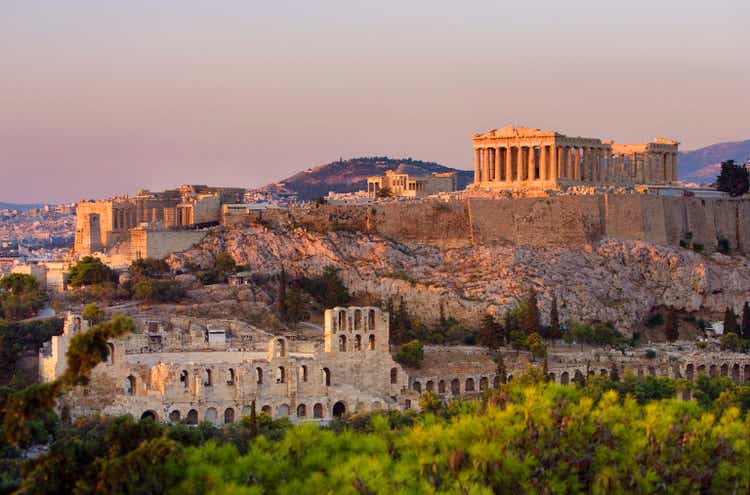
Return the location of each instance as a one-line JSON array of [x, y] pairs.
[[616, 281]]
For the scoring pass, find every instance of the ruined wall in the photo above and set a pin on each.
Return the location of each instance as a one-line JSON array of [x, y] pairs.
[[158, 244]]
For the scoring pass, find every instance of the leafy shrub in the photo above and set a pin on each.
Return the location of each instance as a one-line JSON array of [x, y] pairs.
[[161, 291], [697, 247], [90, 271], [328, 289], [411, 354], [20, 296]]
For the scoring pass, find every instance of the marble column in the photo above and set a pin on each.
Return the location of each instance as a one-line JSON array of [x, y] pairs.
[[477, 151], [576, 164], [674, 167], [542, 162], [508, 158], [553, 163], [531, 175], [498, 164]]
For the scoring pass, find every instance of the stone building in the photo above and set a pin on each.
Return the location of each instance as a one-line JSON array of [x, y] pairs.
[[526, 158], [104, 223], [405, 186]]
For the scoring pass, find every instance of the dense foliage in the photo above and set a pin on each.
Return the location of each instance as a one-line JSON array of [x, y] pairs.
[[19, 337], [20, 296], [89, 271], [733, 179], [527, 437], [328, 289], [410, 354], [158, 291]]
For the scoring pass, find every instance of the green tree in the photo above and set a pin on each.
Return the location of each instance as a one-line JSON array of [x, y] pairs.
[[158, 291], [733, 179], [729, 341], [746, 321], [90, 271], [554, 332], [536, 346], [295, 305], [411, 354], [281, 302], [491, 333], [671, 327], [20, 296], [224, 264], [530, 317], [148, 268], [730, 322], [328, 289], [93, 313]]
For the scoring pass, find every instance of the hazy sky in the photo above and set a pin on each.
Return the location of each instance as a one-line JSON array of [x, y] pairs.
[[101, 97]]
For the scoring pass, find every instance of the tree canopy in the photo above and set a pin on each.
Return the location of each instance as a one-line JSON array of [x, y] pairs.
[[89, 271], [733, 179], [20, 296]]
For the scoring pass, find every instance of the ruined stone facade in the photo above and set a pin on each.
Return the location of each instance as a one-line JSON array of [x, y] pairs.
[[405, 186], [104, 223], [527, 158]]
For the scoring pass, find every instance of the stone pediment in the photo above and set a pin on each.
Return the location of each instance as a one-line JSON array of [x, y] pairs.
[[511, 131]]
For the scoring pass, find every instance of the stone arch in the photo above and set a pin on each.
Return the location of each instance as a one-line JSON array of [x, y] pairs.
[[228, 415], [212, 416], [280, 348], [455, 386], [281, 375], [394, 375], [303, 372], [689, 371], [259, 375], [603, 372], [371, 320], [301, 411], [110, 353], [130, 385], [551, 377], [724, 369], [376, 406], [371, 342], [430, 386], [318, 410], [469, 386], [483, 383], [441, 387], [207, 378], [578, 377], [712, 370], [357, 342], [327, 377], [192, 417], [591, 373], [174, 416], [230, 376], [342, 343], [282, 411], [651, 371], [736, 372], [342, 320], [184, 378], [407, 404], [357, 320], [150, 414], [417, 386], [565, 378], [701, 369], [339, 409], [266, 410]]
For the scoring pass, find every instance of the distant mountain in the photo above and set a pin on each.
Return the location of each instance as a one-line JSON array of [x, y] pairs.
[[18, 206], [351, 175], [704, 164]]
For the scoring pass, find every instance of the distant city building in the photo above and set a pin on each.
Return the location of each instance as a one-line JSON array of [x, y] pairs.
[[405, 186], [523, 157]]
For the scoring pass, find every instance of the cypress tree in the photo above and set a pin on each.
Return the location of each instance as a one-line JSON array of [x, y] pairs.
[[554, 320], [671, 327], [530, 320], [746, 321], [730, 322]]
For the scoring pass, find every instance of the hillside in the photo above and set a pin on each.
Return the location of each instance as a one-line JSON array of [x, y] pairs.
[[351, 175], [703, 165]]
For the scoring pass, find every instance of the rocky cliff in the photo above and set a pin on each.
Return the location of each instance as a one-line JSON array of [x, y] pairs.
[[617, 281]]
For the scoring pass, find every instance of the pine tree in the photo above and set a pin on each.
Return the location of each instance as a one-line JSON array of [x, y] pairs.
[[730, 322], [281, 301], [746, 321], [554, 320], [491, 333], [671, 326]]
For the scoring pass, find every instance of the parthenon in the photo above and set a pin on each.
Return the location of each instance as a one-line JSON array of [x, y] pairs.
[[523, 157]]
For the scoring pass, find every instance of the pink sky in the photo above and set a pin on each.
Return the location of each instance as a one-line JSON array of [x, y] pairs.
[[101, 99]]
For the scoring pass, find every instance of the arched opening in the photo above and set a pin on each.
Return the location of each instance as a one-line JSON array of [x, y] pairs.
[[371, 320], [357, 342], [192, 417], [550, 377], [280, 348], [469, 385], [357, 320], [417, 386], [259, 375], [318, 411], [211, 415], [592, 372], [578, 377], [301, 411], [394, 376], [701, 369], [327, 377], [712, 370], [266, 410], [342, 343], [342, 320], [407, 404], [689, 371], [339, 409], [603, 372], [207, 381], [652, 371], [184, 378], [174, 416], [455, 386], [483, 382], [565, 378], [430, 386], [282, 411], [441, 387], [725, 369], [228, 415], [376, 406], [281, 375], [303, 372], [130, 384], [736, 372], [371, 342], [230, 376], [149, 415], [110, 354]]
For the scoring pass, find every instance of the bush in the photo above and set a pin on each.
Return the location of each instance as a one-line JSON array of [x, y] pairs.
[[90, 271], [20, 296], [655, 320], [730, 342], [148, 268], [160, 291], [93, 313], [697, 247], [411, 354]]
